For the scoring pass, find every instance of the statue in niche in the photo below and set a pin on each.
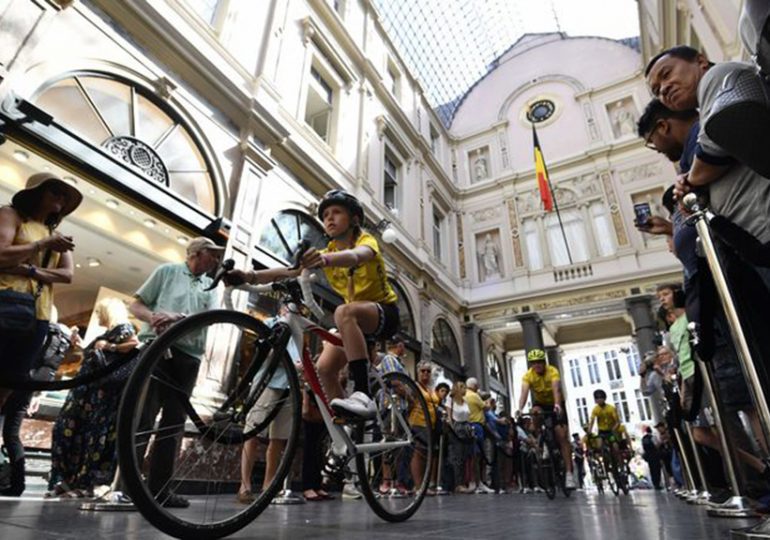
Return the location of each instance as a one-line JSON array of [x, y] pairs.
[[480, 168], [624, 121], [489, 261]]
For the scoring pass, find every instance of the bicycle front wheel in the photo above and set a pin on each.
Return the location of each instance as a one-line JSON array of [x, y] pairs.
[[396, 449], [185, 423]]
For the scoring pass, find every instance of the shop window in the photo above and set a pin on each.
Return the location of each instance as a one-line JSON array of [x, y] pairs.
[[286, 229], [319, 105], [129, 123], [444, 344]]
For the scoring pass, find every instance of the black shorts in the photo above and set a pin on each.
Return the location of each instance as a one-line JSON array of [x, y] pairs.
[[388, 325], [550, 415]]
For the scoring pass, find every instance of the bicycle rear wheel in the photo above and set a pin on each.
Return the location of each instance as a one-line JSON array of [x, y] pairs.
[[408, 460], [610, 470], [192, 449]]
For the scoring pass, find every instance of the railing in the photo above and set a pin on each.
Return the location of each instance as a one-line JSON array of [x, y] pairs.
[[577, 271]]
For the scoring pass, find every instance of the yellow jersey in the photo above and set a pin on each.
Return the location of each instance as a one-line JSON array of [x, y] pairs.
[[476, 406], [417, 416], [541, 386], [28, 232], [370, 281], [606, 417]]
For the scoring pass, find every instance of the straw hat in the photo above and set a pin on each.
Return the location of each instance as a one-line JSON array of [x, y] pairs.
[[28, 197]]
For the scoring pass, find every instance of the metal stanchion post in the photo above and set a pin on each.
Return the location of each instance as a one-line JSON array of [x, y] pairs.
[[701, 218], [287, 496], [692, 490], [737, 505], [702, 496], [440, 488]]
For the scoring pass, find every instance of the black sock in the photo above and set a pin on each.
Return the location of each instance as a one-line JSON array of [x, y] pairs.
[[359, 372]]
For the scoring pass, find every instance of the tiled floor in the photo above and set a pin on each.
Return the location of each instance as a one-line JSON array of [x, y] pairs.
[[641, 516]]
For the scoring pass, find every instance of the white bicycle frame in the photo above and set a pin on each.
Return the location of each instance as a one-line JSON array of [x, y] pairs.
[[342, 444]]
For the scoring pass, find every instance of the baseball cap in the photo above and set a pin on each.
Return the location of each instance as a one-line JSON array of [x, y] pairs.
[[200, 243]]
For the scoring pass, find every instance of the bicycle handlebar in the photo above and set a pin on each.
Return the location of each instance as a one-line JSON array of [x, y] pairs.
[[287, 286]]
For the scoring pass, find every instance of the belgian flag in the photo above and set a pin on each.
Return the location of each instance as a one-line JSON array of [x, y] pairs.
[[543, 183]]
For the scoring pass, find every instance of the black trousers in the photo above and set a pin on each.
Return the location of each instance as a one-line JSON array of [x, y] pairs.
[[655, 470], [312, 458], [166, 395]]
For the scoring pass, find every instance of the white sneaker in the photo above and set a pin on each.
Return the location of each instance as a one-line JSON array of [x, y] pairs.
[[350, 492], [358, 404], [482, 489], [569, 481]]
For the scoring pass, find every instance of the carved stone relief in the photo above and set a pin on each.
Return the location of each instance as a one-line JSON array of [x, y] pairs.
[[612, 201], [513, 222], [501, 136], [588, 113], [487, 214], [640, 172], [461, 245]]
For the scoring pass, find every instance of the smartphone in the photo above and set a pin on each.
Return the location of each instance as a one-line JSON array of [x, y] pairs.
[[643, 213]]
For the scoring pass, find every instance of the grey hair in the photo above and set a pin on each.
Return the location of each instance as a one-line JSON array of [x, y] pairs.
[[424, 364], [472, 382]]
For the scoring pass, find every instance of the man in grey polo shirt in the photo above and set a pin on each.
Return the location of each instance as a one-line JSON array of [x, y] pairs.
[[169, 294]]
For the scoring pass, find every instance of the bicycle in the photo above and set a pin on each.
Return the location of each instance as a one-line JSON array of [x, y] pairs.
[[549, 464], [615, 466], [217, 421]]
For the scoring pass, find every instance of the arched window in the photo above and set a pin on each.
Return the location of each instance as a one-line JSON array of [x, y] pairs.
[[494, 369], [574, 230], [404, 311], [131, 124], [444, 344], [286, 229]]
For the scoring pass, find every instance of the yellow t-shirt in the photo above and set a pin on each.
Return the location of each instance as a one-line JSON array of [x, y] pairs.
[[28, 232], [606, 417], [541, 386], [476, 407], [416, 415], [370, 281]]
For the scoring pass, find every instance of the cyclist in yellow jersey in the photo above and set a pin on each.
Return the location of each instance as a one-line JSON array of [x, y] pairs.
[[606, 418], [354, 266], [544, 383]]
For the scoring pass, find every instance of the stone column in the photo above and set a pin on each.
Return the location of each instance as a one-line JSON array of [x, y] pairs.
[[640, 309], [472, 354], [532, 328]]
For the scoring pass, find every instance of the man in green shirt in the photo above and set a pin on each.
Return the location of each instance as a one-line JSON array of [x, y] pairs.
[[172, 292]]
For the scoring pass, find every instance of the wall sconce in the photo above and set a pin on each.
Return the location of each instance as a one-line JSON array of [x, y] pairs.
[[386, 230]]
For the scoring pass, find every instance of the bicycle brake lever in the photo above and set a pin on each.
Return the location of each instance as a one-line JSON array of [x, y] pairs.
[[303, 246], [224, 268]]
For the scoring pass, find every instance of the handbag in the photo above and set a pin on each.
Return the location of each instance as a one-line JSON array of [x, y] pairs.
[[17, 309], [739, 120], [462, 430]]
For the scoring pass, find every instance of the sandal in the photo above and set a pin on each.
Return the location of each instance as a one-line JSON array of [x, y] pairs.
[[312, 496]]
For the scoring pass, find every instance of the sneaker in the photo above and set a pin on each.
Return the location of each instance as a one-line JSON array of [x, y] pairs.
[[526, 491], [385, 487], [171, 500], [569, 481], [482, 489], [358, 405], [350, 493]]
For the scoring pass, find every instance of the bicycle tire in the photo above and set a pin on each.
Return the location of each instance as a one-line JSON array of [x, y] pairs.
[[189, 525], [367, 476], [610, 470], [546, 473], [623, 480]]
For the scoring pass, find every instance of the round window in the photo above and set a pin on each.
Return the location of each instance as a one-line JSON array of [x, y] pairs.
[[541, 110]]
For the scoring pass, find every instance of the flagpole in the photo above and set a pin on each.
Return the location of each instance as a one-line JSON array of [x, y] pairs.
[[553, 197]]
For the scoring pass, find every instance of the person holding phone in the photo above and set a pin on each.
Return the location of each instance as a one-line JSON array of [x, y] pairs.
[[33, 256]]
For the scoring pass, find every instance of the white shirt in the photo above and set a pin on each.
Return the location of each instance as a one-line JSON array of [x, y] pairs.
[[461, 412]]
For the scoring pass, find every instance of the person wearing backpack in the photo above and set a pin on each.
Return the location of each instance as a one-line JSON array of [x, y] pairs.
[[651, 455]]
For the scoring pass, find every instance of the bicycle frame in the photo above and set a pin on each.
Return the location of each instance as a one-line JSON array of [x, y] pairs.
[[342, 443]]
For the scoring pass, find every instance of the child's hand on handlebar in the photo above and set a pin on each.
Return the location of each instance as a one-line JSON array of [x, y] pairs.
[[312, 259]]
